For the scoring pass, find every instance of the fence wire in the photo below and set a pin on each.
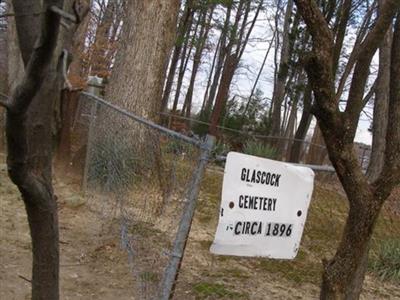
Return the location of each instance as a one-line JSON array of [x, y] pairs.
[[142, 178]]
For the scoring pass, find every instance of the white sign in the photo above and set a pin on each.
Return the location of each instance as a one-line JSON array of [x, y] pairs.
[[263, 208]]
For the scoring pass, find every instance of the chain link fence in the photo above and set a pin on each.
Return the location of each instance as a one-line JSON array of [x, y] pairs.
[[146, 178], [283, 148]]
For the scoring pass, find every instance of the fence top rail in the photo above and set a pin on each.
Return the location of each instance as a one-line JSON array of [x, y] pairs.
[[324, 168], [177, 135], [258, 136]]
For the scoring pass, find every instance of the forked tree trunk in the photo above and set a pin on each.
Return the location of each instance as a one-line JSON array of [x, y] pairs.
[[30, 136], [344, 274]]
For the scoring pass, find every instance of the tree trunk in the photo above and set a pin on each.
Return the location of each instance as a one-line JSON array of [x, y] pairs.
[[317, 152], [301, 132], [184, 62], [184, 23], [253, 89], [381, 106], [205, 28], [210, 77], [223, 93], [220, 63], [239, 37], [147, 38], [69, 100], [279, 88], [289, 131], [344, 275], [30, 135]]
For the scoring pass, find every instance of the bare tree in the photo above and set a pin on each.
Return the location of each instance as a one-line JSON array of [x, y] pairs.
[[205, 24], [30, 134], [282, 73], [185, 22], [220, 57], [344, 274], [238, 39]]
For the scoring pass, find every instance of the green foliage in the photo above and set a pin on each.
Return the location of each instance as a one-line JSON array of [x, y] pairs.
[[247, 113], [199, 128], [259, 149], [385, 262], [220, 148]]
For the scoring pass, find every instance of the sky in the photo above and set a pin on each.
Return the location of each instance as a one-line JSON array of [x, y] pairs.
[[251, 62]]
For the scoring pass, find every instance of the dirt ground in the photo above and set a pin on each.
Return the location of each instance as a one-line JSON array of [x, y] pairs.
[[93, 266]]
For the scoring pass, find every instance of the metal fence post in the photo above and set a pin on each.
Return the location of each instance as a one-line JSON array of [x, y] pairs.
[[92, 123], [172, 270]]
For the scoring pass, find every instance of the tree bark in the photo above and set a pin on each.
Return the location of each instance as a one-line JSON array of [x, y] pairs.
[[279, 88], [3, 75], [220, 62], [223, 93], [147, 38], [317, 152], [289, 131], [30, 138], [210, 76], [344, 274], [184, 62], [205, 28], [381, 106], [184, 23], [301, 132]]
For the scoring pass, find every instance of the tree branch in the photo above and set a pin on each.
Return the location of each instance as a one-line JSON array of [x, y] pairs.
[[319, 65], [63, 14], [361, 71], [316, 23], [369, 95], [341, 32], [354, 54]]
